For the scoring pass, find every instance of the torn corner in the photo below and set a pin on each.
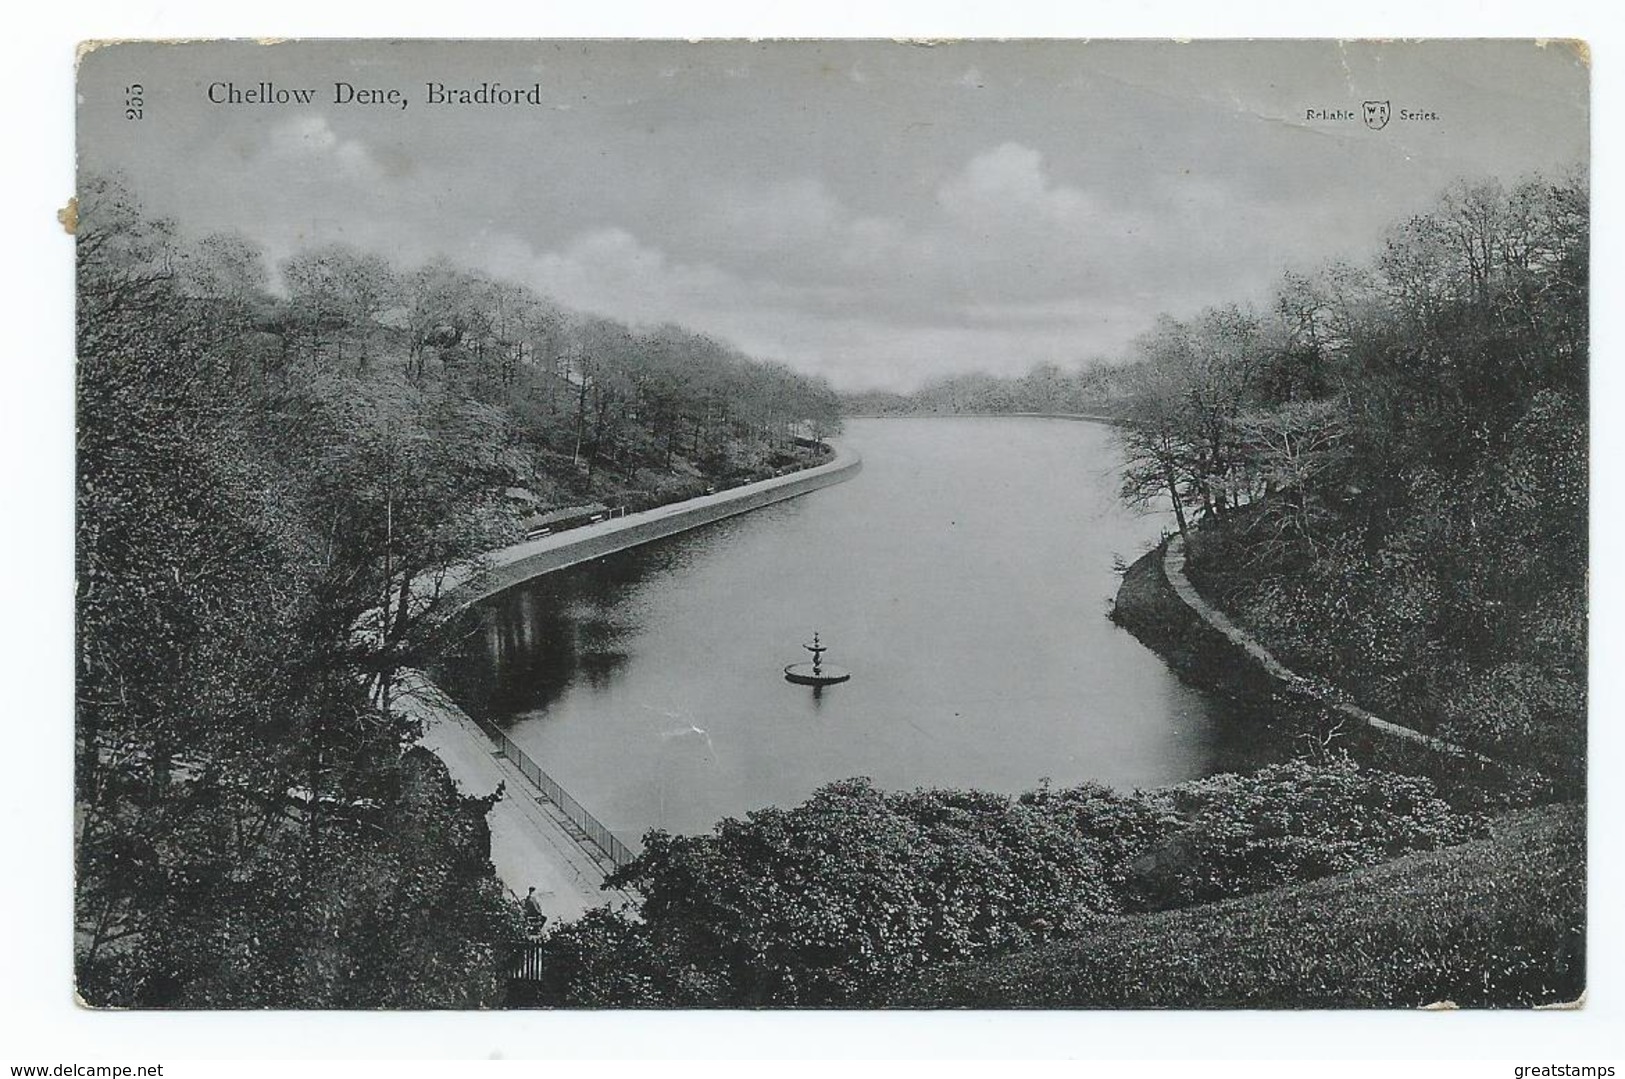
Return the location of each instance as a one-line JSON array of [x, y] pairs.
[[85, 48], [1578, 46]]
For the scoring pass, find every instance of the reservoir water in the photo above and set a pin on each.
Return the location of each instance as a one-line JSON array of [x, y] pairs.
[[963, 577]]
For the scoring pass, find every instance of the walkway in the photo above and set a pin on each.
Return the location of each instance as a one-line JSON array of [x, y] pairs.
[[1173, 566], [532, 843]]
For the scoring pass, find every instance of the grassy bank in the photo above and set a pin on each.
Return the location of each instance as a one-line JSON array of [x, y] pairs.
[[1416, 630], [1496, 922]]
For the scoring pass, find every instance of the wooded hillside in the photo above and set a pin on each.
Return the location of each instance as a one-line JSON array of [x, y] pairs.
[[1390, 467], [272, 484]]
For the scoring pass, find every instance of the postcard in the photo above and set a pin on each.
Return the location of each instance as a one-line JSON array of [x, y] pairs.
[[831, 524]]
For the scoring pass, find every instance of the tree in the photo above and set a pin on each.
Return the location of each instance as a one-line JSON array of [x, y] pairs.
[[405, 486], [336, 292], [437, 298], [1294, 448], [249, 829], [1412, 432], [1150, 436], [1181, 421]]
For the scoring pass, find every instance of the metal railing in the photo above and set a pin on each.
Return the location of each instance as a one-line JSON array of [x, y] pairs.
[[599, 836], [525, 962]]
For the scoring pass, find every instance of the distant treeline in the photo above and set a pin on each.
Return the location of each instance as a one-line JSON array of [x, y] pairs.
[[605, 394], [272, 489], [1094, 391]]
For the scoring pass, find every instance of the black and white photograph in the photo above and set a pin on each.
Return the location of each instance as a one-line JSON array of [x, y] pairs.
[[1057, 524]]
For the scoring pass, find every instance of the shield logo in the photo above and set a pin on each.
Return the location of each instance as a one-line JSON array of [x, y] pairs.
[[1376, 115]]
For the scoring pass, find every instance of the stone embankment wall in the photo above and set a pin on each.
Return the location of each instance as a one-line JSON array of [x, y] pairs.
[[522, 561]]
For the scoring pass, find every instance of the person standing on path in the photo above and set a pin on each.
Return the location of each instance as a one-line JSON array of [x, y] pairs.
[[534, 917]]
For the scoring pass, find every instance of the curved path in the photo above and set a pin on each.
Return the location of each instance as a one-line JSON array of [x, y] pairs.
[[533, 844], [1173, 566]]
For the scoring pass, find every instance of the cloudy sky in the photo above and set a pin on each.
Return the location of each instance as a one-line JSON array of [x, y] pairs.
[[879, 213]]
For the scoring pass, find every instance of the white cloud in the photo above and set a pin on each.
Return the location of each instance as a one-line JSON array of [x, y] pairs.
[[608, 271], [303, 135], [1009, 183], [311, 139], [1005, 267]]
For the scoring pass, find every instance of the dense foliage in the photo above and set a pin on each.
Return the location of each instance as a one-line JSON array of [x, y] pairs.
[[846, 897], [1286, 823], [1390, 469], [1498, 922], [273, 490], [581, 405]]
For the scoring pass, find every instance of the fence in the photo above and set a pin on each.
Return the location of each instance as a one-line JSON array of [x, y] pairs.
[[617, 852], [525, 962]]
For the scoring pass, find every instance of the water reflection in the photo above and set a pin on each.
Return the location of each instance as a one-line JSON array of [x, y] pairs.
[[520, 650], [962, 577]]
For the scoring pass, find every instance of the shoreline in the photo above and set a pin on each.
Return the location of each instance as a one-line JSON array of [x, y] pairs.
[[1150, 609], [533, 841], [1159, 605]]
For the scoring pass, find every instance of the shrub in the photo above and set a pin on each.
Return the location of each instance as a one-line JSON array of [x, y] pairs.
[[1288, 822], [843, 898], [836, 899]]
